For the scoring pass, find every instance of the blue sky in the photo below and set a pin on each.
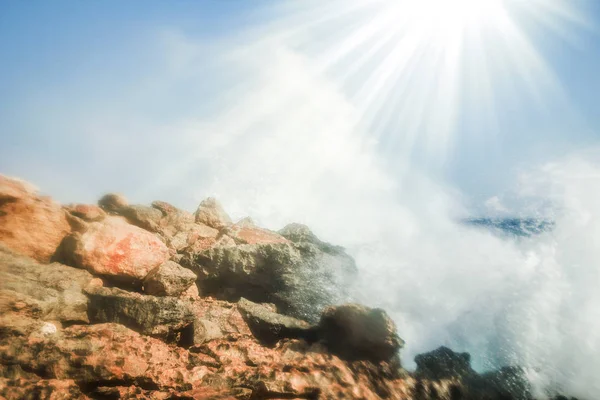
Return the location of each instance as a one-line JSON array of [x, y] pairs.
[[66, 64]]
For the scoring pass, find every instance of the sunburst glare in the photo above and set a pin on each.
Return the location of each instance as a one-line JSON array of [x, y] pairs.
[[408, 66]]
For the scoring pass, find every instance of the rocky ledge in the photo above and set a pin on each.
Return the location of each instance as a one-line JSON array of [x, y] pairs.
[[132, 301]]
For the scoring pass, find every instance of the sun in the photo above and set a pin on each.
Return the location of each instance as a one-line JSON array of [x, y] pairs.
[[449, 17], [414, 68]]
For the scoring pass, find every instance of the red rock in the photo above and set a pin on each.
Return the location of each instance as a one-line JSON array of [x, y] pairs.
[[30, 224], [245, 232], [105, 352], [12, 189], [115, 248], [34, 389], [87, 212]]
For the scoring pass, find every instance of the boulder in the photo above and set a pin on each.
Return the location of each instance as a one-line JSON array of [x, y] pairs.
[[173, 217], [269, 327], [30, 224], [13, 189], [211, 213], [205, 330], [49, 292], [104, 354], [356, 332], [443, 363], [226, 316], [175, 227], [245, 232], [113, 203], [300, 279], [112, 360], [193, 238], [168, 279], [145, 217], [161, 317], [114, 248], [303, 236], [36, 389], [505, 383], [87, 212], [299, 233]]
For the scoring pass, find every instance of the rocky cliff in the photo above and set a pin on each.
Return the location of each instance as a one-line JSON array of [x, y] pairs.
[[132, 301]]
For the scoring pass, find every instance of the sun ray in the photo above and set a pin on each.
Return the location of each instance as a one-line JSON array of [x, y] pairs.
[[403, 63]]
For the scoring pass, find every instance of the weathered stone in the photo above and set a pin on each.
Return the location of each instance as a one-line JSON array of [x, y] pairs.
[[245, 232], [295, 369], [299, 278], [356, 332], [12, 189], [113, 203], [145, 217], [161, 317], [505, 383], [269, 327], [226, 316], [93, 354], [194, 237], [299, 233], [303, 236], [114, 248], [176, 227], [443, 363], [211, 213], [49, 292], [40, 389], [29, 224], [205, 330], [87, 212], [168, 279]]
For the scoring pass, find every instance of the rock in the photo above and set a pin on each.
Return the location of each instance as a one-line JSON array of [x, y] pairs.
[[299, 279], [114, 248], [295, 369], [226, 316], [173, 217], [36, 389], [112, 203], [176, 227], [299, 233], [50, 292], [194, 238], [443, 363], [97, 355], [12, 189], [245, 232], [505, 383], [205, 330], [29, 224], [211, 213], [145, 217], [269, 327], [161, 317], [168, 279], [303, 236], [87, 212], [356, 332]]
